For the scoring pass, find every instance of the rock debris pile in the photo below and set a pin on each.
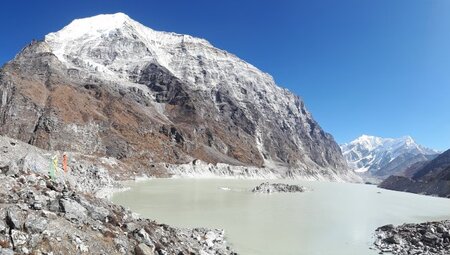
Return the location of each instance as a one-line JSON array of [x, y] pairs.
[[267, 187], [431, 238]]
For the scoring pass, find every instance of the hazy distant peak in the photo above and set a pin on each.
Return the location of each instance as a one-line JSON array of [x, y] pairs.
[[373, 153]]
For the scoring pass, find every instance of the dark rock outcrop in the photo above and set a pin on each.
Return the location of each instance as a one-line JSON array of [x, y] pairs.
[[267, 187], [432, 178]]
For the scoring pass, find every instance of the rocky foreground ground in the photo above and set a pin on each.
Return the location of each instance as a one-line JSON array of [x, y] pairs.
[[40, 215], [267, 187], [431, 238]]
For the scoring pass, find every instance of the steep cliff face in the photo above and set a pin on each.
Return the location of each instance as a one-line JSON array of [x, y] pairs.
[[109, 86]]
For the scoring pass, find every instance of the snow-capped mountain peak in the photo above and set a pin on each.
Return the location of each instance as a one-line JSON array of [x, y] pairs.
[[169, 96], [116, 48], [368, 142], [374, 153], [93, 25]]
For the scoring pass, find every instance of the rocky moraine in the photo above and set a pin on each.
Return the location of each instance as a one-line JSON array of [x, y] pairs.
[[39, 215]]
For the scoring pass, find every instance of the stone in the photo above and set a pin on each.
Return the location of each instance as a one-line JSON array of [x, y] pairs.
[[31, 179], [35, 224], [73, 209], [49, 214], [143, 249], [24, 250], [50, 194], [13, 169], [143, 237], [83, 248], [99, 213], [441, 229], [394, 239], [210, 237], [386, 227], [18, 237], [54, 205], [37, 206], [130, 226], [429, 237], [6, 251], [13, 219]]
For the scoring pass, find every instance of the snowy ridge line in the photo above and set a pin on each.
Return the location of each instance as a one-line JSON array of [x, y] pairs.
[[371, 153]]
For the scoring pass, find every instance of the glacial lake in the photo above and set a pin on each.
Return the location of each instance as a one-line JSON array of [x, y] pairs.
[[331, 219]]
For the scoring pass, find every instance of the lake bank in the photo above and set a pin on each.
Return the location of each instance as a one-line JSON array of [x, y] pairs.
[[338, 217]]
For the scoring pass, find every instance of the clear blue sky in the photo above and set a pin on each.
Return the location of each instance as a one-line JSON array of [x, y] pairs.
[[362, 66]]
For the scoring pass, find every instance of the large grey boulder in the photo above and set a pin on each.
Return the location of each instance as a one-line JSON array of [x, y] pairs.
[[6, 251], [14, 218], [35, 224], [73, 209], [18, 237], [143, 249]]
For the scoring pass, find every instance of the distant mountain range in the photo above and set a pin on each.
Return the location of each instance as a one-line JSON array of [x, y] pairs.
[[431, 178], [382, 157]]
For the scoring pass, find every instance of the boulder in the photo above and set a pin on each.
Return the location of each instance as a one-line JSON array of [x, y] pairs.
[[73, 209], [6, 251], [143, 249], [18, 237], [429, 237], [9, 169], [394, 239], [385, 227], [210, 237], [14, 218], [143, 237], [35, 224]]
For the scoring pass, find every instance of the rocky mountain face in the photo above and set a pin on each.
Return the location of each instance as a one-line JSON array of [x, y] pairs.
[[382, 157], [109, 86], [430, 178]]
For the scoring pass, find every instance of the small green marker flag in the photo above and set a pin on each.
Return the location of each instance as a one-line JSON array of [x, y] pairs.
[[51, 171]]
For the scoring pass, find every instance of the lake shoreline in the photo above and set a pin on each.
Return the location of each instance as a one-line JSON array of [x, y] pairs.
[[170, 182]]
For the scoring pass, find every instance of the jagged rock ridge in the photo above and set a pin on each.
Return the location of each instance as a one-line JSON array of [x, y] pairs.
[[430, 178], [109, 86]]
